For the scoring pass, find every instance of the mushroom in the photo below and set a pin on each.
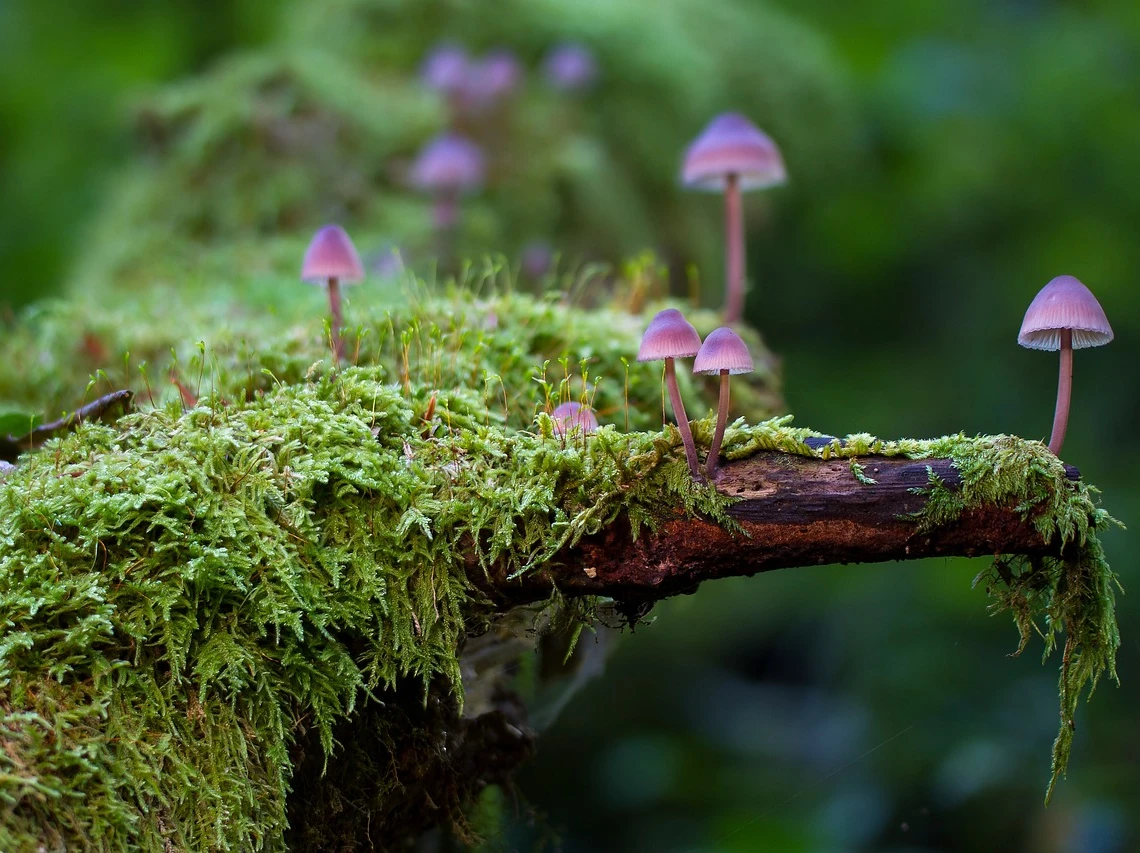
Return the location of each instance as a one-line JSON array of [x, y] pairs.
[[725, 353], [671, 336], [446, 69], [537, 260], [568, 417], [570, 67], [447, 167], [495, 76], [331, 259], [1064, 315], [733, 155]]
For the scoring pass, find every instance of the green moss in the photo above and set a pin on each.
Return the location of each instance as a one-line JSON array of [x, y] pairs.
[[483, 338], [191, 600], [184, 591]]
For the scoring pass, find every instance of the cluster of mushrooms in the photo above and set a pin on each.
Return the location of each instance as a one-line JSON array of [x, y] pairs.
[[331, 260], [669, 337], [730, 155], [476, 90]]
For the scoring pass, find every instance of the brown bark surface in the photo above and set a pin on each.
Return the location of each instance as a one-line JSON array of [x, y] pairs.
[[794, 511]]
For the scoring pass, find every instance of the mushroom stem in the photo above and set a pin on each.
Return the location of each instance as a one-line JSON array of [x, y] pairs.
[[682, 418], [1064, 392], [445, 220], [337, 316], [734, 251], [713, 461]]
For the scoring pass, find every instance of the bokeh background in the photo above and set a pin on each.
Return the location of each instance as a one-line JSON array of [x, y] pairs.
[[947, 158]]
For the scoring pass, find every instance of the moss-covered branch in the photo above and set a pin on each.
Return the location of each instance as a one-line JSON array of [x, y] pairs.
[[789, 511], [191, 599], [209, 601]]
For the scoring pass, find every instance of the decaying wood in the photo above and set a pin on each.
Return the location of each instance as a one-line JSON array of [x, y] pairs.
[[794, 511], [12, 446]]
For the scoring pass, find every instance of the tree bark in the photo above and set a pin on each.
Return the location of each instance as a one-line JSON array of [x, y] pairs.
[[794, 511]]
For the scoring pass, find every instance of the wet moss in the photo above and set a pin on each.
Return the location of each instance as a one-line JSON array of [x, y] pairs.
[[203, 604]]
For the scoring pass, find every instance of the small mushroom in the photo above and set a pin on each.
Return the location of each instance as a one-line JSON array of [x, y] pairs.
[[570, 67], [446, 69], [495, 76], [568, 417], [331, 259], [732, 155], [447, 167], [725, 353], [1064, 315], [537, 259], [670, 336]]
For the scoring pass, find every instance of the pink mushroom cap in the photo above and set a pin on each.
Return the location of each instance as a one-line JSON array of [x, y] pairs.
[[732, 145], [1064, 303], [448, 163], [447, 68], [669, 335], [723, 350], [568, 417], [570, 66], [498, 74], [331, 255]]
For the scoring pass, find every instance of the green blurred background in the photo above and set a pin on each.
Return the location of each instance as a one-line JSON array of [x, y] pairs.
[[946, 160]]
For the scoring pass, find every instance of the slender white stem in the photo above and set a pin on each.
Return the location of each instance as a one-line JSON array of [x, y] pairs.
[[1064, 393], [337, 316], [682, 418], [713, 461], [734, 251]]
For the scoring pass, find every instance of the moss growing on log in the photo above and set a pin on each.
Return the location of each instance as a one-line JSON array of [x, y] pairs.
[[203, 605], [184, 592]]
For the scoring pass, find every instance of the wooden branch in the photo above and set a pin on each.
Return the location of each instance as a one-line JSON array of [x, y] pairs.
[[12, 446], [795, 511]]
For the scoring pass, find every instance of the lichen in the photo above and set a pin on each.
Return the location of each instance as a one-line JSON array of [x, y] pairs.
[[195, 595]]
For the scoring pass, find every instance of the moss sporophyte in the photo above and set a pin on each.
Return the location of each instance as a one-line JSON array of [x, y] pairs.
[[190, 595]]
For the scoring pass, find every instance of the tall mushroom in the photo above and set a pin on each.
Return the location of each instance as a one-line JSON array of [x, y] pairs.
[[732, 155], [331, 259], [725, 353], [1064, 316], [670, 336], [447, 167]]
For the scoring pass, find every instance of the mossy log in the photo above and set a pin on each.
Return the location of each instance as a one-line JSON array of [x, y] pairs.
[[249, 625], [295, 610], [790, 511]]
